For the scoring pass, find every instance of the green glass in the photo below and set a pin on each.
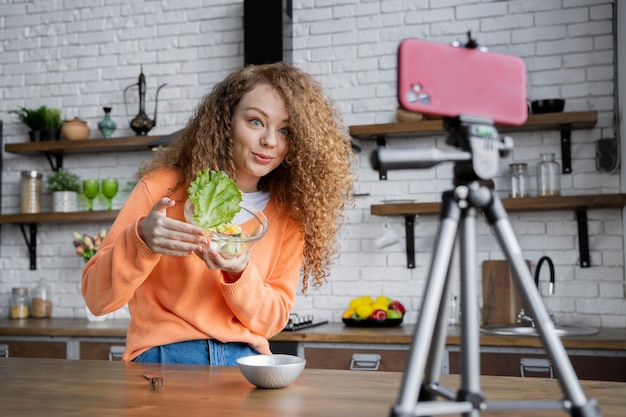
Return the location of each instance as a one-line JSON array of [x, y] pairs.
[[91, 189], [109, 190]]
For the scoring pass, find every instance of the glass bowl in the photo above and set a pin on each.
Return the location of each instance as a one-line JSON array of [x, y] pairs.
[[254, 224], [271, 371]]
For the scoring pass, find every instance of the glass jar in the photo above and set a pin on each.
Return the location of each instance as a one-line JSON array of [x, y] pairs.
[[518, 180], [41, 306], [548, 176], [19, 303], [31, 191]]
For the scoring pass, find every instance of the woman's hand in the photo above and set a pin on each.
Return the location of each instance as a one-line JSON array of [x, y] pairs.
[[233, 267], [169, 236]]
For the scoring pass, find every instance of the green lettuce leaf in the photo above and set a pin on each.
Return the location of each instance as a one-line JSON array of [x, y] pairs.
[[215, 198]]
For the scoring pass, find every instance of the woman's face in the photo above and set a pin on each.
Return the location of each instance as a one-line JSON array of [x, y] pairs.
[[260, 127]]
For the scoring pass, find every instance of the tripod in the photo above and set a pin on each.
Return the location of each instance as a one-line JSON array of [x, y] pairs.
[[480, 149]]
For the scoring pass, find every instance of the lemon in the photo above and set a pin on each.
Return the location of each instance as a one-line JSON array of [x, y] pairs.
[[364, 310], [378, 305], [382, 299], [355, 302], [368, 299]]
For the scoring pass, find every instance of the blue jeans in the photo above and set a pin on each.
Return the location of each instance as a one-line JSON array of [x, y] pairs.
[[197, 352]]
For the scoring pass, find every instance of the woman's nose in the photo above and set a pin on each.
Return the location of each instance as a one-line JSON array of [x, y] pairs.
[[268, 139]]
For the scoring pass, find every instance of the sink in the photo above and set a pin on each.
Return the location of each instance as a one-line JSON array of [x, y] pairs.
[[517, 330]]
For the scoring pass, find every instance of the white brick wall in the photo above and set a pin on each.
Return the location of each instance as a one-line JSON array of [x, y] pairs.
[[81, 59]]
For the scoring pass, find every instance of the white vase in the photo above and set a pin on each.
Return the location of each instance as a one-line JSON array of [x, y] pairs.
[[64, 201]]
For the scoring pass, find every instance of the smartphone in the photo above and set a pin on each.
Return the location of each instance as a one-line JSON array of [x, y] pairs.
[[449, 81]]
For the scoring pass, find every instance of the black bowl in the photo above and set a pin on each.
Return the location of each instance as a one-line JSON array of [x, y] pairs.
[[553, 105]]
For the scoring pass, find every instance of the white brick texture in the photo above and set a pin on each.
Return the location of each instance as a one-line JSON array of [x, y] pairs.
[[80, 56]]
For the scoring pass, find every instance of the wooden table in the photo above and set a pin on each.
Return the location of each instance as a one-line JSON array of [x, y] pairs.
[[58, 387]]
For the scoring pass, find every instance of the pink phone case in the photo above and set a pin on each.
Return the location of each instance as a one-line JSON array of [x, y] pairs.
[[450, 81]]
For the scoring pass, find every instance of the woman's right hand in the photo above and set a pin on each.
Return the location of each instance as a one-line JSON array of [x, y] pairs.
[[169, 236]]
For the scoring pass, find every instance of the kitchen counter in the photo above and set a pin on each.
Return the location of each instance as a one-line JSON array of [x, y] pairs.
[[57, 387], [606, 339]]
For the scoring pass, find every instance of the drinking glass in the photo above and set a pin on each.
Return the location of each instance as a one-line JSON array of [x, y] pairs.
[[91, 189], [109, 190]]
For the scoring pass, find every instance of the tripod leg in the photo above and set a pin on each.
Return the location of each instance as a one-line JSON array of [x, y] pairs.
[[497, 218], [424, 329], [438, 347], [470, 331]]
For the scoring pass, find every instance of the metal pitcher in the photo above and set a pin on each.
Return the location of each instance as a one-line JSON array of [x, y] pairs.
[[142, 124]]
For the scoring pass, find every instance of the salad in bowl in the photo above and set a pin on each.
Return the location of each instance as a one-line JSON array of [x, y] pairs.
[[216, 205]]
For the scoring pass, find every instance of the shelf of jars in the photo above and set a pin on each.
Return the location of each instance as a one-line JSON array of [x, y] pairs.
[[54, 152], [579, 203]]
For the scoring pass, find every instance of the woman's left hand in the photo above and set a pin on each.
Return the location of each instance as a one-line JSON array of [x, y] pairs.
[[232, 266]]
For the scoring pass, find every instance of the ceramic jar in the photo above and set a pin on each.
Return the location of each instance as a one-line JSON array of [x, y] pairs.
[[75, 129]]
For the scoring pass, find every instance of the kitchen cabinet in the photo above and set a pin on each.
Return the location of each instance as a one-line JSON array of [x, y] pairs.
[[54, 152], [356, 357], [588, 364], [103, 349], [28, 348], [63, 347]]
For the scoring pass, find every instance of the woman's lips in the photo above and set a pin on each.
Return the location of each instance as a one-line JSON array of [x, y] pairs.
[[262, 159]]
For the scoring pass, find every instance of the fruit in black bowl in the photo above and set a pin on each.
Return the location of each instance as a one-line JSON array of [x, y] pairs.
[[368, 312], [553, 105]]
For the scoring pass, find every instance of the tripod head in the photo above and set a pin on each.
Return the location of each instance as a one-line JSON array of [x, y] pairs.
[[480, 150]]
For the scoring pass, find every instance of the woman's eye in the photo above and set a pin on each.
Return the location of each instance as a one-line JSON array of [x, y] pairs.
[[256, 122], [285, 131]]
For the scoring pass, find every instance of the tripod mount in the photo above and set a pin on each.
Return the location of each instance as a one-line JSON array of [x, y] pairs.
[[421, 394]]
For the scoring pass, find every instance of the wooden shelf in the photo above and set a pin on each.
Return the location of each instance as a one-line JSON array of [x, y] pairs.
[[564, 122], [580, 204], [535, 122], [131, 143], [597, 201], [55, 150], [30, 222], [76, 216]]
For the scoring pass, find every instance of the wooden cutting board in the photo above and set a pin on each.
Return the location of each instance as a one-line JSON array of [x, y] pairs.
[[501, 300]]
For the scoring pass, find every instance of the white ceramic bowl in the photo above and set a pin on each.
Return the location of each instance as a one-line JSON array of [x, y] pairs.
[[271, 371], [232, 246]]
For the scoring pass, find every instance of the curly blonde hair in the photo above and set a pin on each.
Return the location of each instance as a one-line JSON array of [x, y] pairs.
[[314, 182]]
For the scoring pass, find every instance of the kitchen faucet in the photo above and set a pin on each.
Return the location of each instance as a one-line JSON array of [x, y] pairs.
[[522, 317], [538, 270]]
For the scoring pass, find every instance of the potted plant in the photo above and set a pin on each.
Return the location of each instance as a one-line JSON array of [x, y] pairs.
[[52, 123], [64, 186], [34, 119]]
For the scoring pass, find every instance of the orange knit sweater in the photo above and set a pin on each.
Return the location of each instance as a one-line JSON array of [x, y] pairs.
[[172, 299]]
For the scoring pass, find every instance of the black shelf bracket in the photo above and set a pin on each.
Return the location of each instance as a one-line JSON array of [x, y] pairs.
[[55, 161], [583, 237], [31, 242], [381, 142], [566, 148], [409, 225]]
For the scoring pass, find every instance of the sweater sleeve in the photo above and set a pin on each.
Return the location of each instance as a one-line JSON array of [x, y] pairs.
[[123, 261]]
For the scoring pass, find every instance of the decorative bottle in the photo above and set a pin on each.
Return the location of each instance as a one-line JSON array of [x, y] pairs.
[[518, 180], [548, 176], [107, 126]]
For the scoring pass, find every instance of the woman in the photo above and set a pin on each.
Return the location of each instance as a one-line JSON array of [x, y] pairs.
[[273, 131]]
